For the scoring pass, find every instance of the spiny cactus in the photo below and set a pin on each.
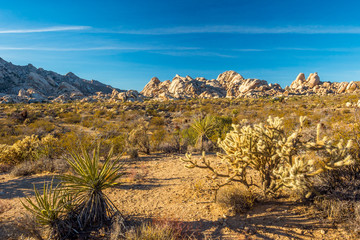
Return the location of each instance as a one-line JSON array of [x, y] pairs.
[[27, 149], [281, 160], [297, 174]]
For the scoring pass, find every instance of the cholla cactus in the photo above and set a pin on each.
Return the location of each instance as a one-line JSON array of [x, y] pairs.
[[296, 174], [27, 149], [280, 160]]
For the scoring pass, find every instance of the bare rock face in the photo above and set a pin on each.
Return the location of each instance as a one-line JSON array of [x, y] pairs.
[[250, 84], [351, 87], [228, 84], [313, 85], [313, 80], [300, 82], [151, 88]]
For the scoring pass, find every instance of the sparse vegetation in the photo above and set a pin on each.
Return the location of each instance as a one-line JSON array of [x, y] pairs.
[[78, 204], [286, 159]]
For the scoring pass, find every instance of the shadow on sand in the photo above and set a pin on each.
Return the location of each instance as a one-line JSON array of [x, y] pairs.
[[24, 186], [277, 223]]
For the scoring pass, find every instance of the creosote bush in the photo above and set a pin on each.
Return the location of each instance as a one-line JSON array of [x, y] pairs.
[[161, 230], [139, 138], [235, 199], [44, 164], [280, 159]]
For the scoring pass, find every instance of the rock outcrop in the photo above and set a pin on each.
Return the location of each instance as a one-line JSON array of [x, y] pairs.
[[313, 85], [229, 84], [30, 84]]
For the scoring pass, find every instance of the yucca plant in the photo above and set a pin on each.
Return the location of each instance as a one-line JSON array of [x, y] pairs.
[[93, 208], [204, 128], [48, 209]]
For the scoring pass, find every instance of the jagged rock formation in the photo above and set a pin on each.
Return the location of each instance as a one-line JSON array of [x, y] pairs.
[[313, 85], [228, 84], [31, 84]]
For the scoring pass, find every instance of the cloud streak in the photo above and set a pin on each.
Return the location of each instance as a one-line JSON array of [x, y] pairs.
[[44, 30], [51, 49], [311, 29]]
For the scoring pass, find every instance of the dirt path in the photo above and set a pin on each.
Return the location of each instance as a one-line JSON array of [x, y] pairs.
[[160, 188]]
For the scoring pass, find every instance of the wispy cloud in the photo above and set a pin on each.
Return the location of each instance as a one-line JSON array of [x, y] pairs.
[[177, 51], [115, 48], [310, 29], [42, 30], [195, 53], [350, 49], [171, 51], [250, 50]]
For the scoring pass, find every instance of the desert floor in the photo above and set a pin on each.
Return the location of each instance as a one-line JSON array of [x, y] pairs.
[[160, 188]]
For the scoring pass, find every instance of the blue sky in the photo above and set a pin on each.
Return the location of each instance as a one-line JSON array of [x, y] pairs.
[[125, 43]]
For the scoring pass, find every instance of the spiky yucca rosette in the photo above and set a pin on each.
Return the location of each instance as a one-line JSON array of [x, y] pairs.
[[91, 178]]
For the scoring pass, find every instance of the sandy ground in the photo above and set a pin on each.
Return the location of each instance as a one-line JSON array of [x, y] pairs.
[[161, 188]]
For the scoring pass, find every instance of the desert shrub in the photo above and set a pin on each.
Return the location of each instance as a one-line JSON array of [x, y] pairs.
[[19, 116], [99, 113], [160, 230], [339, 196], [280, 159], [44, 164], [72, 141], [28, 149], [117, 143], [223, 126], [335, 209], [173, 142], [157, 121], [133, 153], [189, 136], [5, 167], [41, 127], [157, 137], [139, 138], [235, 199], [71, 117]]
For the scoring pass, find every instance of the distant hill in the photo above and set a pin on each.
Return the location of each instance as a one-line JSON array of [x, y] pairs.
[[13, 78], [31, 84]]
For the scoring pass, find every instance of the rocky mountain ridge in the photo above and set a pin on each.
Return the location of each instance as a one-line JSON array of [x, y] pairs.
[[231, 84], [30, 84]]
